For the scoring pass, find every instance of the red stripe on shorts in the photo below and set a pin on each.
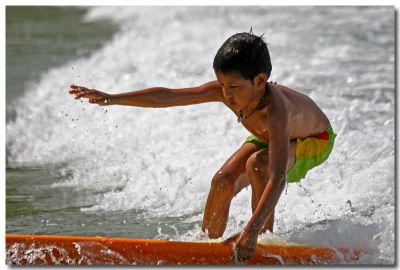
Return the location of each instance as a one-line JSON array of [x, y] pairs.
[[323, 136]]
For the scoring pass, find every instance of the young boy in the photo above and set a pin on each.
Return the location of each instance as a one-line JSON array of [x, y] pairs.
[[290, 133]]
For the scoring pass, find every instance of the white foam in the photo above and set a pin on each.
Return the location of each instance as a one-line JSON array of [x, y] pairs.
[[162, 160]]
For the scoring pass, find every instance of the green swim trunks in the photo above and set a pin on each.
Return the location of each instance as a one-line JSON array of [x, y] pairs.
[[310, 152]]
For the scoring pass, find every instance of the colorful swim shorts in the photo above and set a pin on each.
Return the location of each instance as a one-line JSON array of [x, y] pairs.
[[310, 152]]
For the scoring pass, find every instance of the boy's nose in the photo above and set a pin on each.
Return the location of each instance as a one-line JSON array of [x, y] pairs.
[[229, 97], [227, 93]]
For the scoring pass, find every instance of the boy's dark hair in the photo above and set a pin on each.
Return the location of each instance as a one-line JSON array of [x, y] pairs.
[[244, 53]]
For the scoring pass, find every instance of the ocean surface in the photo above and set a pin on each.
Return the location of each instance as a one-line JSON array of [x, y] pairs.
[[78, 169]]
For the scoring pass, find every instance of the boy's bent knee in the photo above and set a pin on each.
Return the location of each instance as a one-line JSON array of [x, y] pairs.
[[223, 182], [257, 164]]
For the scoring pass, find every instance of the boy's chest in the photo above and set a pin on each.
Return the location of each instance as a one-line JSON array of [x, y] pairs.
[[257, 125]]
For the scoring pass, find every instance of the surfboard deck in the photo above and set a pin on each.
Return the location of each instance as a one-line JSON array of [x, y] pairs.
[[73, 250]]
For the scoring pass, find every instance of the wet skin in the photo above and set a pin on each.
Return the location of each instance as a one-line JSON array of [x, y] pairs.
[[285, 116]]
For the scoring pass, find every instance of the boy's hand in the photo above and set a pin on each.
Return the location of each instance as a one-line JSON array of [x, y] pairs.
[[94, 96], [244, 245]]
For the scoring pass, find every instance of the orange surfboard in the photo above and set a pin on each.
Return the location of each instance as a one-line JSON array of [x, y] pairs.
[[50, 250]]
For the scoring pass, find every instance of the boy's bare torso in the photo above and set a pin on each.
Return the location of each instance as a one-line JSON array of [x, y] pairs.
[[305, 117]]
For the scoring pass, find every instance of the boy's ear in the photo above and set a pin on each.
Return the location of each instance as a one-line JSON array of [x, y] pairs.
[[261, 80]]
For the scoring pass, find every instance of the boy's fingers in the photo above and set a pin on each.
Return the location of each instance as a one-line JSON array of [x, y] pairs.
[[85, 94], [91, 94], [74, 91], [78, 95], [78, 88]]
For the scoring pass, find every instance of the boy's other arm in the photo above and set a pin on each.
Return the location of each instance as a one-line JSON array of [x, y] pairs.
[[279, 145], [156, 97]]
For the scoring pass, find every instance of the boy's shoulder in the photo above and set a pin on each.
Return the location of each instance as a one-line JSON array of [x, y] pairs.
[[291, 96], [302, 112]]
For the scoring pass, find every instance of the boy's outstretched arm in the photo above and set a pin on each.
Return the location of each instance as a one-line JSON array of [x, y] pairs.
[[156, 97]]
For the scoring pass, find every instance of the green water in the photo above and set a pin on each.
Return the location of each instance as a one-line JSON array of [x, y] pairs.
[[34, 207], [39, 38]]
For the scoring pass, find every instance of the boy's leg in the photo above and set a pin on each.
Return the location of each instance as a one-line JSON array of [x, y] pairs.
[[258, 173], [226, 183]]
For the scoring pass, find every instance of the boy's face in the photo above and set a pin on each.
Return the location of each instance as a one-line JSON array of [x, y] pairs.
[[238, 92]]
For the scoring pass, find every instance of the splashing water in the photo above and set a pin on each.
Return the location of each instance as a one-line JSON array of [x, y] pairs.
[[159, 162]]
